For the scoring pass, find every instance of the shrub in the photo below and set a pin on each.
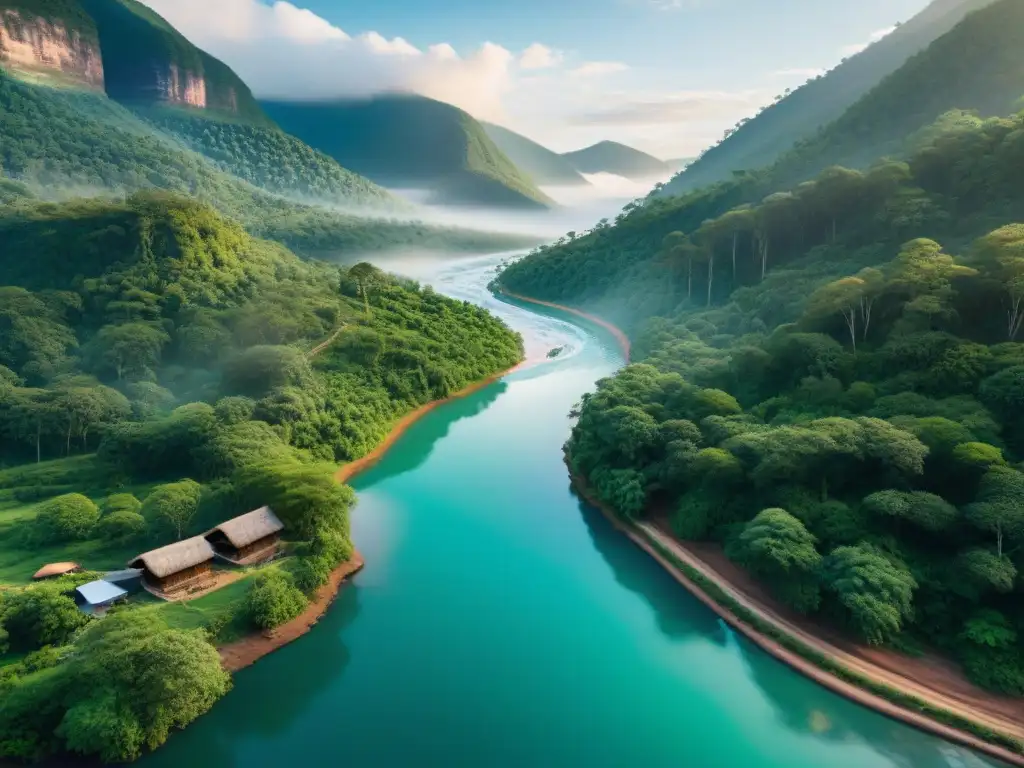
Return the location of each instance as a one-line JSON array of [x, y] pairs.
[[39, 615], [66, 518], [121, 526], [274, 599], [121, 502]]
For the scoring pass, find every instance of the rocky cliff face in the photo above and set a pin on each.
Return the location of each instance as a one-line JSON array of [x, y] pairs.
[[38, 48]]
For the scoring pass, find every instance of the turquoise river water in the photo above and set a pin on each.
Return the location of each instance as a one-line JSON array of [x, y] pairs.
[[501, 622]]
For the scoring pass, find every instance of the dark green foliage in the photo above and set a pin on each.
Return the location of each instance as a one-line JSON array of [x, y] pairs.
[[875, 592], [43, 614], [411, 141], [274, 599], [127, 683], [777, 546]]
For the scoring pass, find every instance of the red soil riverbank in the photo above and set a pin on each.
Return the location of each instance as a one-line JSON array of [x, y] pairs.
[[993, 717], [250, 649], [620, 337], [353, 468]]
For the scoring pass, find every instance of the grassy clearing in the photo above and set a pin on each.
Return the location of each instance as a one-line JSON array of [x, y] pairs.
[[220, 612]]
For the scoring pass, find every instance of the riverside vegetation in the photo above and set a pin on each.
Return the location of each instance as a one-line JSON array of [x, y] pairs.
[[155, 380], [828, 377]]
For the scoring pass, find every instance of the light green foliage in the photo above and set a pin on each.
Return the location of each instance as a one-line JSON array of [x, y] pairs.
[[121, 526], [876, 593], [172, 506], [66, 518], [274, 599]]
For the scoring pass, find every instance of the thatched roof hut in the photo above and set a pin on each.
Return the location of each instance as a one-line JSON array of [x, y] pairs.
[[52, 570], [174, 565], [247, 538]]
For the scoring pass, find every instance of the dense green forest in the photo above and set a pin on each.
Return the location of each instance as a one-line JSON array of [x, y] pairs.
[[541, 164], [269, 159], [758, 142], [62, 142], [412, 141], [612, 157], [828, 383], [156, 378]]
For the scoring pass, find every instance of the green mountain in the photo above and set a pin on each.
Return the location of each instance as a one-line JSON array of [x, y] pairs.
[[612, 157], [543, 165], [268, 158], [978, 66], [63, 142], [411, 141], [758, 142]]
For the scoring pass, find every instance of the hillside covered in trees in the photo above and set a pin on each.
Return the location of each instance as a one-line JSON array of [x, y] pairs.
[[156, 378], [409, 141], [758, 142], [827, 381], [618, 159], [543, 165]]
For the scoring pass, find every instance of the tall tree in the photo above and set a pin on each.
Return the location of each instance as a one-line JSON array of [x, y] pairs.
[[1001, 256]]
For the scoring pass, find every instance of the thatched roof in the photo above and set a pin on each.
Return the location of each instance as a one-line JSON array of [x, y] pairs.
[[174, 557], [243, 530], [56, 569]]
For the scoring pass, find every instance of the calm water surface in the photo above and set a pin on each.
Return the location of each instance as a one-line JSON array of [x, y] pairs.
[[501, 622]]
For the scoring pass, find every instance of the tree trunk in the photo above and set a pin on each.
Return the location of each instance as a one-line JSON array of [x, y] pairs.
[[764, 258], [1014, 316], [68, 447], [711, 275], [865, 316], [999, 540], [850, 316], [735, 241]]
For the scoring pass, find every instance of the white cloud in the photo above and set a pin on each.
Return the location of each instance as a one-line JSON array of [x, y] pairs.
[[539, 56], [598, 68], [874, 37], [284, 51]]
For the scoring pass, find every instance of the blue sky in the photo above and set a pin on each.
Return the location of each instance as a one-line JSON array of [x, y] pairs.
[[667, 76]]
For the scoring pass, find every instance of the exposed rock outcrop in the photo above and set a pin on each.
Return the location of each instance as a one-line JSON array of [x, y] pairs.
[[36, 47]]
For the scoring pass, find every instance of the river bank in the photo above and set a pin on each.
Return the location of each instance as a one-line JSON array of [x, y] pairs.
[[347, 471], [964, 726], [619, 335], [250, 649]]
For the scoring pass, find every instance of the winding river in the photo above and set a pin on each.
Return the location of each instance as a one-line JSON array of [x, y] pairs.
[[501, 622]]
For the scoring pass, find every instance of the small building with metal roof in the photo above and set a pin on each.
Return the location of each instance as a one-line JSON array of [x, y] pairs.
[[97, 596], [247, 539]]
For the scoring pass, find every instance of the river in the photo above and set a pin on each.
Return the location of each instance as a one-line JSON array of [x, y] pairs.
[[501, 622]]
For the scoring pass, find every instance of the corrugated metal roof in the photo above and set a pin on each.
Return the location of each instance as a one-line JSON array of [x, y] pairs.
[[100, 592], [125, 575]]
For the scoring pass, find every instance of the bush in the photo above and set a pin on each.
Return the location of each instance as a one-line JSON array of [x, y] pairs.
[[121, 526], [65, 518], [274, 599], [39, 615], [121, 502], [311, 572]]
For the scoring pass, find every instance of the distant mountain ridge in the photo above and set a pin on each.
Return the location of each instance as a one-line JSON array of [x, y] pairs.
[[760, 141], [543, 165], [407, 141], [612, 157]]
